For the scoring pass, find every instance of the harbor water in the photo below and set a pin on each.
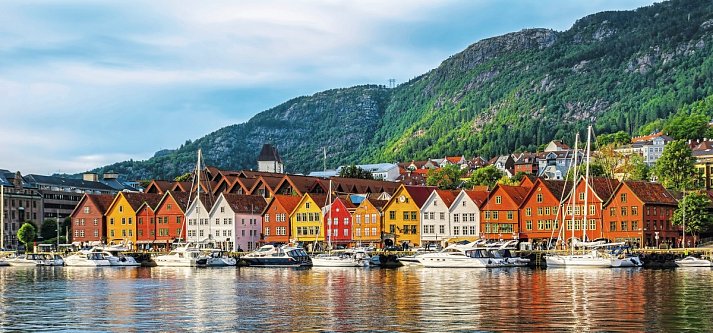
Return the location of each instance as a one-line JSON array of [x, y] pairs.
[[407, 299]]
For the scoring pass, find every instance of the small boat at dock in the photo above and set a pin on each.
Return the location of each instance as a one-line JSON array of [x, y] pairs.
[[692, 261], [274, 256]]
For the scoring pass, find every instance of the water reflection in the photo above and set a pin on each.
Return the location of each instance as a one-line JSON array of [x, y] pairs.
[[354, 299]]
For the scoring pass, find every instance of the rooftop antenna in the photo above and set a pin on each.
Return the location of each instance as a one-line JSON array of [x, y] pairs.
[[324, 166], [392, 83]]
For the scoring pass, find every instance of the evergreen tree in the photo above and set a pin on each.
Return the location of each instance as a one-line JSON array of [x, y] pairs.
[[693, 209]]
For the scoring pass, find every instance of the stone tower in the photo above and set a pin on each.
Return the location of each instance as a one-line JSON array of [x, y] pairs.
[[269, 160]]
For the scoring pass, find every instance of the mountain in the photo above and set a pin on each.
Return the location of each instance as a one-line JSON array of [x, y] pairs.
[[618, 70]]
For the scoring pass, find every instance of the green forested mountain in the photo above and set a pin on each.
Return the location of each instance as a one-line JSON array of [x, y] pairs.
[[617, 70]]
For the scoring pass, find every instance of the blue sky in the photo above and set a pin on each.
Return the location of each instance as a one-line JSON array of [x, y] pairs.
[[88, 83]]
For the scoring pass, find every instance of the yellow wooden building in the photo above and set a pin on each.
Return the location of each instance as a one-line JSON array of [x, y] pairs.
[[367, 226], [121, 216], [307, 220], [402, 215]]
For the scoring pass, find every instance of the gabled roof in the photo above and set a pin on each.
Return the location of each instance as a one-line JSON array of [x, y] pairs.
[[603, 187], [181, 199], [101, 201], [136, 200], [448, 197], [419, 194], [289, 202], [516, 193], [650, 193], [454, 159], [158, 186], [270, 183], [299, 184], [247, 204], [478, 197]]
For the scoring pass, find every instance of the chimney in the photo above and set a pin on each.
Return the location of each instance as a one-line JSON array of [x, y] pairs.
[[90, 177]]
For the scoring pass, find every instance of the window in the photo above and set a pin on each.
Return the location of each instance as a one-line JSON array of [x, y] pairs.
[[392, 215], [96, 222], [634, 210], [406, 216], [96, 233], [267, 231], [581, 196], [123, 220], [111, 232], [442, 216], [623, 211], [373, 231], [592, 224], [346, 232], [510, 215], [357, 232], [547, 211], [592, 210], [373, 218], [624, 226], [456, 218], [456, 231], [612, 211], [622, 197], [169, 206], [539, 197], [612, 226], [498, 199], [442, 229], [307, 205], [634, 225], [267, 217], [392, 228], [528, 211], [539, 211], [121, 208], [346, 221], [86, 210], [358, 219], [217, 221], [495, 215], [222, 209], [528, 224], [413, 215]]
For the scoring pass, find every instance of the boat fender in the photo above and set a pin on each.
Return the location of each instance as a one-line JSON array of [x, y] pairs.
[[669, 257], [489, 262], [122, 259]]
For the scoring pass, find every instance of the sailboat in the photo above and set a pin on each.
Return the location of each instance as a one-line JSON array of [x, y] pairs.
[[188, 254], [593, 257], [344, 258]]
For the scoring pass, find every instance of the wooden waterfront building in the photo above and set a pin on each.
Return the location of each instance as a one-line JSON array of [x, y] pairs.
[[501, 212], [88, 221], [402, 217], [368, 222], [169, 222], [276, 218], [540, 212], [638, 212]]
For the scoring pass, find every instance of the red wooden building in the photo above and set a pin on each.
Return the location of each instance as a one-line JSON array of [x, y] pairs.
[[88, 221], [340, 212], [276, 218], [501, 212], [170, 219]]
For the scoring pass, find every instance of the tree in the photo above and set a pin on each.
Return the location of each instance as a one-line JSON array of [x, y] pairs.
[[184, 177], [694, 207], [686, 126], [353, 171], [446, 178], [638, 170], [616, 139], [596, 169], [27, 234], [48, 229], [486, 176], [675, 168]]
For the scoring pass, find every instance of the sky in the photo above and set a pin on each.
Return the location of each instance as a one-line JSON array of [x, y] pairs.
[[85, 84]]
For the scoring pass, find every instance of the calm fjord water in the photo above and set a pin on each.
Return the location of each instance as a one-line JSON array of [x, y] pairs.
[[408, 299]]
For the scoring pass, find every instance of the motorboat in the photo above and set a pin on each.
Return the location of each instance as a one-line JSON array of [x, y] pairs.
[[216, 258], [461, 256], [621, 256], [3, 262], [409, 260], [115, 255], [343, 258], [503, 250], [29, 259], [692, 261], [182, 256], [87, 259], [53, 259], [278, 256]]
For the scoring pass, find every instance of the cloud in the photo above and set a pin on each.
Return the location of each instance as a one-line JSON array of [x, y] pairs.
[[87, 83]]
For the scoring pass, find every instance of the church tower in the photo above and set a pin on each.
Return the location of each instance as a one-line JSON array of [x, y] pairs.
[[269, 160]]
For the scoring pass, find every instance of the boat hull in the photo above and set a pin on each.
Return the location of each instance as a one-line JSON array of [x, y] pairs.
[[338, 262], [466, 262], [275, 262], [693, 262], [577, 261]]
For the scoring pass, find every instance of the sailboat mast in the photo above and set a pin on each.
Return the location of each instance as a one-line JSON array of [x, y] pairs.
[[574, 188], [586, 186], [198, 193], [329, 217], [683, 240]]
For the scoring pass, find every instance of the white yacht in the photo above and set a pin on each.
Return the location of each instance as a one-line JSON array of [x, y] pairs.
[[691, 261], [621, 256], [182, 256], [87, 259], [460, 256], [590, 259], [343, 258], [53, 259], [115, 255], [28, 259], [216, 258]]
